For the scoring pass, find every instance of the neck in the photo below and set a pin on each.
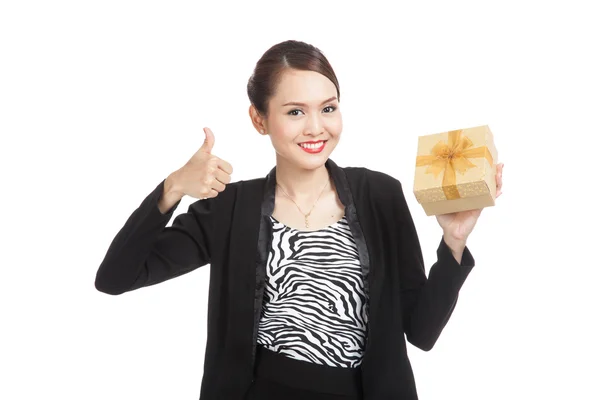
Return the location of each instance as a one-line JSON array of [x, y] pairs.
[[301, 183]]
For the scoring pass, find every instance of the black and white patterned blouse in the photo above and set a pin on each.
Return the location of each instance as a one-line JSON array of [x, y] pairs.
[[314, 307]]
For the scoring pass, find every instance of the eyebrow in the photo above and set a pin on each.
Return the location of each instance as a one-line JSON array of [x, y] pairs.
[[294, 103]]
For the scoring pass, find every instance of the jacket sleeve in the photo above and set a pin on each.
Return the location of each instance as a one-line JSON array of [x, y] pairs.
[[146, 252], [427, 303]]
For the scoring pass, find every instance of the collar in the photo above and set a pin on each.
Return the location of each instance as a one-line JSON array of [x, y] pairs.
[[339, 179]]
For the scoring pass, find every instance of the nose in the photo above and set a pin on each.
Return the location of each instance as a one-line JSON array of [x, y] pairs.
[[314, 125]]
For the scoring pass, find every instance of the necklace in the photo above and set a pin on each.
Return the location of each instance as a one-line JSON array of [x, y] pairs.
[[299, 209]]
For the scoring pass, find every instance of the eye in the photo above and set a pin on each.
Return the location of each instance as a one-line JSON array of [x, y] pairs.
[[293, 112], [332, 108]]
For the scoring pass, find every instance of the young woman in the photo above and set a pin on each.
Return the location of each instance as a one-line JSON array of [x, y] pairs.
[[316, 271]]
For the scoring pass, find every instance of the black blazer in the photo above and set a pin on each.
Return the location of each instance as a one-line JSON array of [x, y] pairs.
[[232, 232]]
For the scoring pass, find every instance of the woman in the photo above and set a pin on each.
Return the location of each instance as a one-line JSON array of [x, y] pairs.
[[316, 271]]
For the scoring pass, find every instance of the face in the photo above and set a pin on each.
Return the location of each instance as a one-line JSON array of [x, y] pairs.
[[304, 120]]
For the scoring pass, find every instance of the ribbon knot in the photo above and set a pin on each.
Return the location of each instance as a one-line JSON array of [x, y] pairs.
[[451, 157]]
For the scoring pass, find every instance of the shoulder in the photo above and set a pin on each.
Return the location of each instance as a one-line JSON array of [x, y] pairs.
[[378, 189], [242, 192], [256, 184], [377, 182]]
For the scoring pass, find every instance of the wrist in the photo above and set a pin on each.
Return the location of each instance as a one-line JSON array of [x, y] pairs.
[[456, 246], [171, 189], [170, 196]]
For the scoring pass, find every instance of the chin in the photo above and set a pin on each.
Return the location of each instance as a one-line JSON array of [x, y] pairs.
[[313, 164], [312, 161]]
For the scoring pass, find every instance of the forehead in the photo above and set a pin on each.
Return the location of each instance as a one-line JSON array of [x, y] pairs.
[[304, 86]]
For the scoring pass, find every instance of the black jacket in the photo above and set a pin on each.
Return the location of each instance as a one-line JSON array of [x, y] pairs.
[[232, 232]]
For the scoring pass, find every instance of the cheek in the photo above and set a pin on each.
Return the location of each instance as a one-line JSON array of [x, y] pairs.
[[283, 128], [334, 126]]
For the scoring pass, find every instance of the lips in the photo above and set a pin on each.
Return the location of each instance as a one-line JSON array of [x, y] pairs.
[[313, 147]]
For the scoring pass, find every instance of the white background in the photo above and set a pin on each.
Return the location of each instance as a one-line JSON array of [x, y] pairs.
[[100, 101]]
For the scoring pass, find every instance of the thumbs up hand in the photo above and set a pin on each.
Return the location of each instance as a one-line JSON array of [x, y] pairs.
[[204, 175]]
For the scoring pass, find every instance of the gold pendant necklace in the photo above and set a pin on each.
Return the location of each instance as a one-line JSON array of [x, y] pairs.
[[299, 209]]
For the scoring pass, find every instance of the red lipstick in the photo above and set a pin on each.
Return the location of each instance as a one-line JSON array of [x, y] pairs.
[[314, 147]]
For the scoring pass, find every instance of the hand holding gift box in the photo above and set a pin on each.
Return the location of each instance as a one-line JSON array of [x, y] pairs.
[[456, 176]]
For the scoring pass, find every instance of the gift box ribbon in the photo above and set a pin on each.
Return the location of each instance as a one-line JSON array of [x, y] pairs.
[[451, 157]]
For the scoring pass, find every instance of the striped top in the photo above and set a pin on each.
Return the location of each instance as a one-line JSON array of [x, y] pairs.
[[314, 307]]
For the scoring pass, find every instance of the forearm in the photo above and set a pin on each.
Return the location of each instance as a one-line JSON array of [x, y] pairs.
[[429, 307], [125, 258]]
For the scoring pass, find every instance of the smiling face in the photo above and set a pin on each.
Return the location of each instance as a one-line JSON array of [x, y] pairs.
[[304, 121]]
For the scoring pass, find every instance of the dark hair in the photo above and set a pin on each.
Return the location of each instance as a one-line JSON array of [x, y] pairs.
[[291, 54]]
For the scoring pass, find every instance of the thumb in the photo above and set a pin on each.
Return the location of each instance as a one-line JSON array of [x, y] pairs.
[[209, 142]]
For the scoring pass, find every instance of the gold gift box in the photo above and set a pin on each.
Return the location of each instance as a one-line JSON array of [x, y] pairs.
[[456, 171]]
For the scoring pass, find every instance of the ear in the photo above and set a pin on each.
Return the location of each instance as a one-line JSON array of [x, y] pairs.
[[259, 122]]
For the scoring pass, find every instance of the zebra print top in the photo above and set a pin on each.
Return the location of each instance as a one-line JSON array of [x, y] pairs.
[[314, 307]]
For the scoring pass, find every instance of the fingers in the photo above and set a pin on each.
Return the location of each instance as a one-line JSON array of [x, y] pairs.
[[211, 187], [216, 172], [225, 166], [207, 147], [216, 180], [499, 168], [209, 141], [218, 186], [213, 193], [222, 176]]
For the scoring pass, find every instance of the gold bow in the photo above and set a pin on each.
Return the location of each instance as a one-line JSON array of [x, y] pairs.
[[452, 157]]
